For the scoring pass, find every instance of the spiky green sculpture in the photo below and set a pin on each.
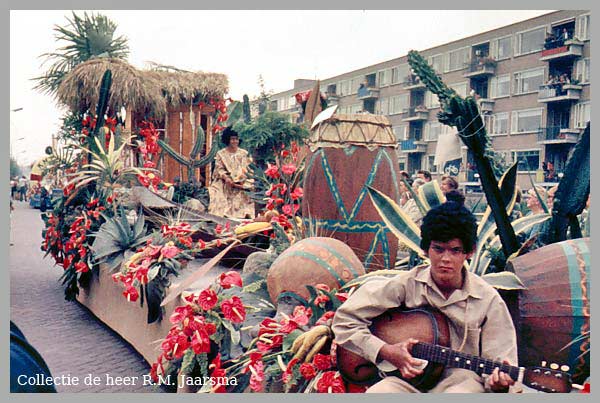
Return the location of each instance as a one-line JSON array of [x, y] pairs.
[[192, 163], [464, 115], [246, 106]]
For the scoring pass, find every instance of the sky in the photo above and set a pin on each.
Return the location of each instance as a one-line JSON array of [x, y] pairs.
[[279, 45]]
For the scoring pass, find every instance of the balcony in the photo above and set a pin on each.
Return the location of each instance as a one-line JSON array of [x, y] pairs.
[[486, 105], [415, 114], [559, 92], [481, 68], [413, 146], [412, 82], [365, 93], [558, 135], [332, 98], [559, 49]]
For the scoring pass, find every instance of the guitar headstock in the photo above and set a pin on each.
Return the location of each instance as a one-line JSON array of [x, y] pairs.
[[547, 380]]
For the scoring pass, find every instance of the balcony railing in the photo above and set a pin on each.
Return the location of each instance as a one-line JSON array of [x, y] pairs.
[[483, 66], [560, 48], [417, 113], [412, 81], [559, 92], [557, 134], [367, 93], [414, 146]]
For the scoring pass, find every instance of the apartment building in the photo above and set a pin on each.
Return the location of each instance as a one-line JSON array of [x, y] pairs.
[[531, 79]]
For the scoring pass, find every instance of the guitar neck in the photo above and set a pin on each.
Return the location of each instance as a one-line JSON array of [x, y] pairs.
[[456, 359]]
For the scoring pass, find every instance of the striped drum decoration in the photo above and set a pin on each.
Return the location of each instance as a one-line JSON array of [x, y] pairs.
[[312, 261], [347, 154], [554, 310]]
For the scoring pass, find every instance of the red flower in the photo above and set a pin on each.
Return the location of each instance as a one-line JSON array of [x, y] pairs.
[[325, 318], [342, 296], [272, 171], [297, 193], [233, 310], [81, 267], [288, 169], [149, 164], [207, 299], [287, 374], [226, 280], [586, 388], [301, 315], [141, 274], [131, 293], [200, 341], [217, 372], [330, 382], [308, 371], [323, 287], [322, 362], [180, 313], [268, 326], [257, 368], [275, 342], [321, 300]]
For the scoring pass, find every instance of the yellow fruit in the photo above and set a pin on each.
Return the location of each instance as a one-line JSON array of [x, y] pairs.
[[252, 228]]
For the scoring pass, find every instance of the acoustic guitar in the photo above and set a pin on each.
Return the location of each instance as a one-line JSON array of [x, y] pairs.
[[430, 327]]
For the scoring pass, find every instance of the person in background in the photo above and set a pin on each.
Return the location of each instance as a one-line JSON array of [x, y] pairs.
[[533, 203], [14, 183], [410, 206], [448, 184], [228, 191], [425, 175], [23, 187]]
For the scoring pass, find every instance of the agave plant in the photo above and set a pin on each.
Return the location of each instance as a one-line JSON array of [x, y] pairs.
[[116, 236], [408, 233], [107, 168]]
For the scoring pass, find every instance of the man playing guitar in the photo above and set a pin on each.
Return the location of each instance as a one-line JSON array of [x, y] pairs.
[[479, 321]]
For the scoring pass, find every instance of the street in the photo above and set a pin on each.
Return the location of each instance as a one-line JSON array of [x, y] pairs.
[[74, 344]]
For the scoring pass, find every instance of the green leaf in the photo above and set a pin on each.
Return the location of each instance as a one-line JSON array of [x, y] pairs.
[[397, 221], [234, 112], [188, 362], [504, 281], [431, 195], [234, 333], [288, 340], [153, 272]]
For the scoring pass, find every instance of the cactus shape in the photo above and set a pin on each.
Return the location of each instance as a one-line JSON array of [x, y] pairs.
[[464, 115], [247, 115], [192, 162]]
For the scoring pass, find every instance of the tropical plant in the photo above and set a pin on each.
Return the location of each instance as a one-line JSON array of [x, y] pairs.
[[116, 237], [268, 134], [86, 37], [107, 168], [464, 115]]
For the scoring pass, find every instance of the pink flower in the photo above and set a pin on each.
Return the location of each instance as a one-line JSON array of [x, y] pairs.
[[169, 251], [288, 169], [226, 280], [297, 193], [272, 171], [290, 209]]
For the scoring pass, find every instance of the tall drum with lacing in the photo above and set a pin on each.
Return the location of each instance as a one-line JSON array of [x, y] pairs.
[[347, 154]]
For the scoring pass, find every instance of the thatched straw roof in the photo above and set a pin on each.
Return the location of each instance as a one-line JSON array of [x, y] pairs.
[[147, 91]]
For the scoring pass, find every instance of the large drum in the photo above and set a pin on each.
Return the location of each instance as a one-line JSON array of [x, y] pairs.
[[312, 261], [554, 310], [347, 154]]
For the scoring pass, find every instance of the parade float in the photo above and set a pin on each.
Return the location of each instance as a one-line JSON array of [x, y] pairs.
[[157, 271]]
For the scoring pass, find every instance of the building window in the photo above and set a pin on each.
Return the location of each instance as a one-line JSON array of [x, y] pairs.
[[583, 70], [398, 103], [431, 167], [401, 132], [399, 73], [460, 88], [529, 160], [582, 27], [437, 63], [282, 104], [497, 124], [354, 84], [431, 100], [526, 121], [530, 41], [458, 59], [344, 88], [528, 81], [501, 48], [581, 114], [500, 86], [291, 102], [383, 106], [432, 131], [383, 77]]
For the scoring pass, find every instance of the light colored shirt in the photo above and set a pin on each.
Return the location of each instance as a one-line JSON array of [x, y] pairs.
[[476, 309]]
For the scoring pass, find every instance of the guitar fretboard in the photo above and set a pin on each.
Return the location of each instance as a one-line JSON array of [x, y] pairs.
[[455, 359]]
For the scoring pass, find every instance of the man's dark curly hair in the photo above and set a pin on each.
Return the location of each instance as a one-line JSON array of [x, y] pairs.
[[228, 133], [448, 221]]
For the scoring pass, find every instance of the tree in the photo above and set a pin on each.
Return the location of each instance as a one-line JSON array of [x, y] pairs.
[[87, 37], [15, 169], [264, 96]]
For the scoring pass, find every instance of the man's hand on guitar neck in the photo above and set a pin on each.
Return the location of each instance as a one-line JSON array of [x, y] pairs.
[[399, 355], [500, 381]]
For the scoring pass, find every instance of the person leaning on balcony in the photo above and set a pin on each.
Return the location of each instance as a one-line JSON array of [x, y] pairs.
[[480, 323]]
